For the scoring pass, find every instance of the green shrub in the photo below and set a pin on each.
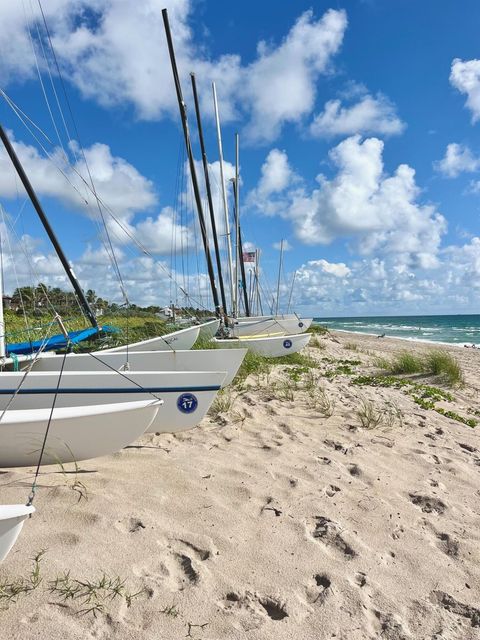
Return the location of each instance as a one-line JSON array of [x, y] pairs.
[[441, 363], [318, 329], [405, 362]]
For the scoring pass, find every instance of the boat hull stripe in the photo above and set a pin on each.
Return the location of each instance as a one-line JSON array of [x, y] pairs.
[[77, 390]]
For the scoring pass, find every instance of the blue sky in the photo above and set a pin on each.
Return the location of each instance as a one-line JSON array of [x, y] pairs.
[[358, 123]]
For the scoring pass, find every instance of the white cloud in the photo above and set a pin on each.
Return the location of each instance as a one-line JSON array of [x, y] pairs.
[[465, 76], [277, 176], [163, 234], [117, 182], [458, 159], [338, 269], [119, 185], [387, 286], [370, 115], [115, 53], [362, 202], [281, 83]]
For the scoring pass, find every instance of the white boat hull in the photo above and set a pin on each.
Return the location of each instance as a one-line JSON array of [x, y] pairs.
[[183, 339], [12, 517], [186, 396], [209, 329], [76, 433], [268, 346], [181, 361], [270, 325]]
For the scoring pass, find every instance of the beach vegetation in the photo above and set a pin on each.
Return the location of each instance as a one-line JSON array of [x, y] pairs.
[[316, 343], [351, 346], [295, 374], [342, 367], [436, 362], [12, 589], [92, 595], [222, 403], [381, 362], [319, 400], [439, 362], [285, 391], [204, 343], [425, 396], [318, 329], [389, 416], [370, 417], [75, 484], [170, 610], [471, 422], [253, 364], [298, 359], [405, 362]]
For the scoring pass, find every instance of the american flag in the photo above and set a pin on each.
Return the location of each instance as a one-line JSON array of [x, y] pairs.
[[249, 256]]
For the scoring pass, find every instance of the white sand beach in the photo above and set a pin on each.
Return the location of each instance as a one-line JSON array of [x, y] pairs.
[[271, 520]]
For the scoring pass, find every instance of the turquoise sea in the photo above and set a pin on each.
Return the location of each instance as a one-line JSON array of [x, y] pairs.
[[458, 329]]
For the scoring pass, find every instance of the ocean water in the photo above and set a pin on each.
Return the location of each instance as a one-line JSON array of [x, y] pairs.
[[458, 329]]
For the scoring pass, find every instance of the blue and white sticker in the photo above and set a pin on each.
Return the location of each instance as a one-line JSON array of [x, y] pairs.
[[287, 344], [187, 403]]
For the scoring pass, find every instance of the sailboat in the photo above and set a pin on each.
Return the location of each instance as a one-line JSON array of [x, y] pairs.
[[75, 433], [270, 325], [161, 361], [186, 396], [272, 346], [182, 339], [51, 436], [12, 517]]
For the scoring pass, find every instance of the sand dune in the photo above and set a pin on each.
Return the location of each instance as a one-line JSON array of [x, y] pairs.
[[272, 521]]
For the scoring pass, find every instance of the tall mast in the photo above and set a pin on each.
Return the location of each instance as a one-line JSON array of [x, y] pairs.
[[3, 351], [240, 253], [291, 291], [279, 274], [193, 173], [257, 281], [224, 196], [209, 192], [43, 218], [237, 225]]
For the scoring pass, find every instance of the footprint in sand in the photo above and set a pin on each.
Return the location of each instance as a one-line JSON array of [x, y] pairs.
[[271, 508], [449, 603], [467, 447], [387, 626], [428, 504], [183, 566], [259, 607], [354, 470], [319, 589], [447, 544], [332, 490], [337, 446], [330, 533], [360, 579]]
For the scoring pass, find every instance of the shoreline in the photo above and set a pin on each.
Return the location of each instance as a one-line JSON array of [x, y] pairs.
[[458, 345]]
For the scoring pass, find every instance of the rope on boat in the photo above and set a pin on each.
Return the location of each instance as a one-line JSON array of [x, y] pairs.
[[45, 438]]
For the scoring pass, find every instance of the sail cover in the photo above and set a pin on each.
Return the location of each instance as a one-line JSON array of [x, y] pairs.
[[57, 342]]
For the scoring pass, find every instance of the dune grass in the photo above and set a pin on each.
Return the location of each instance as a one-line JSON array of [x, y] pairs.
[[318, 329], [442, 363], [437, 362], [405, 362]]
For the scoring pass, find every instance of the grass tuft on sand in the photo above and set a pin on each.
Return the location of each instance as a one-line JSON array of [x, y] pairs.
[[436, 362]]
